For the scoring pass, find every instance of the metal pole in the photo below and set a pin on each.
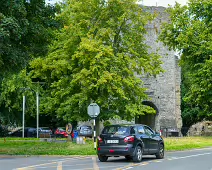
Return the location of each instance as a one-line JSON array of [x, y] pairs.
[[24, 100], [94, 132], [37, 102]]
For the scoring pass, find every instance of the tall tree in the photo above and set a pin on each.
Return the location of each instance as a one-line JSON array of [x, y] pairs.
[[190, 31], [25, 32], [96, 58], [26, 29]]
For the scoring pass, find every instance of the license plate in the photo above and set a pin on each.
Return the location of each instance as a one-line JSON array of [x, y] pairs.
[[112, 141]]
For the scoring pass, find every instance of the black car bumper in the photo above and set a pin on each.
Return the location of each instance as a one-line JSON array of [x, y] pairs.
[[116, 150]]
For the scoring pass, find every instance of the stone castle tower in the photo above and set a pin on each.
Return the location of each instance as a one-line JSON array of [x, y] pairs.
[[164, 89]]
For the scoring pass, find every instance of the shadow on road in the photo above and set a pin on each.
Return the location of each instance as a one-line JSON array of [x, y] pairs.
[[123, 160]]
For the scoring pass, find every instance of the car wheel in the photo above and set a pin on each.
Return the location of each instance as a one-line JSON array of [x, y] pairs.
[[102, 158], [138, 154], [160, 153], [128, 157]]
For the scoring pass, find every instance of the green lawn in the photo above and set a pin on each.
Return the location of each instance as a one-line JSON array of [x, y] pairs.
[[18, 146], [173, 144]]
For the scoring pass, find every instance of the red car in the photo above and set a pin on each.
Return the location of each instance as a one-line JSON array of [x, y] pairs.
[[61, 132]]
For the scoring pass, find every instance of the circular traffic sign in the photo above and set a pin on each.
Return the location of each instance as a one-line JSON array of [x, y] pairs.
[[93, 110]]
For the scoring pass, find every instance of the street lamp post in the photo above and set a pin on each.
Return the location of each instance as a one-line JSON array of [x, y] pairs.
[[37, 108], [24, 101], [24, 108], [37, 102], [37, 105]]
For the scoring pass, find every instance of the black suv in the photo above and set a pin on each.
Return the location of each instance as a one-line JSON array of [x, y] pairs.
[[131, 141]]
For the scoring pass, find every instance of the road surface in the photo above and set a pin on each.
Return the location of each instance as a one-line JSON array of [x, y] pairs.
[[199, 159]]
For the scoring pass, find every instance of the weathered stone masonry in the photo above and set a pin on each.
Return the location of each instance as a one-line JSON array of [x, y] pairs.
[[165, 88]]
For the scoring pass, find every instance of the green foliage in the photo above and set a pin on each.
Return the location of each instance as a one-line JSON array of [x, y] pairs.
[[106, 123], [95, 59], [15, 86], [190, 32], [25, 32], [26, 29]]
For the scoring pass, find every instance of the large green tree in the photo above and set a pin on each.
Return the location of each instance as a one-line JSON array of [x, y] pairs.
[[190, 32], [26, 29], [25, 32], [96, 58]]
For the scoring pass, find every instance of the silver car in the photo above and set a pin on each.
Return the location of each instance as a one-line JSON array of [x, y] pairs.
[[85, 130]]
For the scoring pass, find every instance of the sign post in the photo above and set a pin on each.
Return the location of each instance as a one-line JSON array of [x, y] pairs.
[[93, 112], [23, 118]]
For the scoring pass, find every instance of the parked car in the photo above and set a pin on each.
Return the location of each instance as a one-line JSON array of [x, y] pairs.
[[61, 132], [85, 130], [131, 141], [28, 132], [44, 132]]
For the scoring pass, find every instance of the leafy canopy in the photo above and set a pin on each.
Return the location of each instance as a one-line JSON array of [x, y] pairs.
[[190, 31], [26, 29], [96, 58]]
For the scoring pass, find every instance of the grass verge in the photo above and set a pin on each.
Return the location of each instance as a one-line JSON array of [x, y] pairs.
[[27, 146], [185, 143]]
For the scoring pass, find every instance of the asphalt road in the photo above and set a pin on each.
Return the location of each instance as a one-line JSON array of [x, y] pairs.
[[199, 159]]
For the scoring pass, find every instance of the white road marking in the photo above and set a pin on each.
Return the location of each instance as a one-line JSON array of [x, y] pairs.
[[54, 162], [60, 166], [189, 156], [190, 150], [95, 166]]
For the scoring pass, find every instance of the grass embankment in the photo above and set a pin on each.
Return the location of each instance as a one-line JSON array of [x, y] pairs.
[[18, 146], [27, 146], [178, 144]]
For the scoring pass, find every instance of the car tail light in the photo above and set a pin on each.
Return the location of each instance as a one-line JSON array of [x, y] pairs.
[[129, 139], [100, 139]]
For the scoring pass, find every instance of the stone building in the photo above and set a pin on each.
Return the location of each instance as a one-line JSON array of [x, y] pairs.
[[164, 89]]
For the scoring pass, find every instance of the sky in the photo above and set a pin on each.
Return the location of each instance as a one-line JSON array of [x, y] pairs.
[[163, 3]]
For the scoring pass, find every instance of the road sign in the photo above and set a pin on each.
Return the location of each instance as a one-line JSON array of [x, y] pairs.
[[93, 110]]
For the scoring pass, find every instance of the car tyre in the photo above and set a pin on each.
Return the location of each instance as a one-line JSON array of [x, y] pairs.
[[137, 157], [128, 157], [160, 153], [102, 158]]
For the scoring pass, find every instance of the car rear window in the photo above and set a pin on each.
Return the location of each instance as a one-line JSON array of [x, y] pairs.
[[117, 130], [86, 127]]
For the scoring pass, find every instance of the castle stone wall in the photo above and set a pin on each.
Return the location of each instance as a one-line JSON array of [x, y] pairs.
[[165, 88]]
